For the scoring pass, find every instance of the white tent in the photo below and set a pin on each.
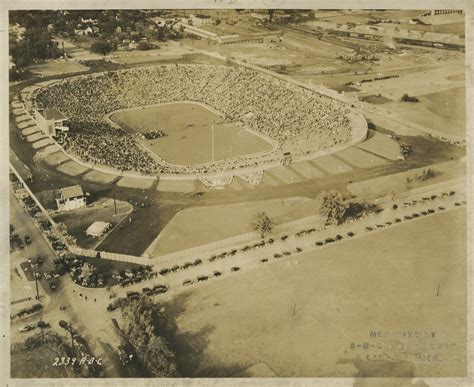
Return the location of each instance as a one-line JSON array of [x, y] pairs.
[[97, 229]]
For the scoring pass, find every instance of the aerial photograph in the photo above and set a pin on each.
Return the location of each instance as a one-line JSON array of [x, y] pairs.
[[237, 193]]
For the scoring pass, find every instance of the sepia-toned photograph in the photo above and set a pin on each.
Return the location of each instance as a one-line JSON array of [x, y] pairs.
[[236, 193]]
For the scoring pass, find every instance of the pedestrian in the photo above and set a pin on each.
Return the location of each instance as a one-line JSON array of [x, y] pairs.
[[80, 294], [94, 299], [74, 290], [85, 297]]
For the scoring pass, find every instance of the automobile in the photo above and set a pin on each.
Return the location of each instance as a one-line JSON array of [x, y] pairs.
[[217, 273], [397, 220], [133, 295], [441, 208], [433, 197], [233, 252], [380, 225], [319, 243], [164, 271], [416, 215], [245, 248], [235, 268], [271, 240], [197, 261], [276, 255], [298, 249], [147, 291], [350, 233], [27, 239], [187, 282], [175, 268], [212, 259], [408, 217], [111, 307], [338, 237], [263, 260], [201, 278], [388, 223], [52, 284], [457, 204], [431, 211], [329, 240], [160, 288], [424, 212], [368, 228], [451, 193], [284, 237], [286, 253], [26, 328]]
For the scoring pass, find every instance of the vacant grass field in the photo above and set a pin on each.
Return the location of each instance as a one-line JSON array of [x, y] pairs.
[[197, 226], [397, 183], [301, 317], [189, 133], [381, 145]]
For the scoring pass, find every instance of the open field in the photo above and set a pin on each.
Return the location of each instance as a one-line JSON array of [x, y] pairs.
[[331, 164], [135, 182], [189, 128], [444, 111], [57, 67], [397, 183], [360, 158], [197, 226], [77, 221], [300, 317], [56, 158], [99, 177]]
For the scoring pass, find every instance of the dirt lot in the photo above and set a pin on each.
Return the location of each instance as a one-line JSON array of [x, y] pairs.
[[201, 225], [189, 133], [310, 317], [57, 67]]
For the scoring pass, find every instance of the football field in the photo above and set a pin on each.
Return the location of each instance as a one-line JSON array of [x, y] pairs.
[[195, 134]]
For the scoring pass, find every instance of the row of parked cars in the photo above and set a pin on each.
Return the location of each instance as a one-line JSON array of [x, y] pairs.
[[133, 276], [204, 277], [27, 311]]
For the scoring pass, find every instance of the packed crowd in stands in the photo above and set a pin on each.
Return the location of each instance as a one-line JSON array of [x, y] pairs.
[[290, 115]]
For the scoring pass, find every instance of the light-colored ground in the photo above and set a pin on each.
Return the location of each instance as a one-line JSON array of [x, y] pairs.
[[99, 177], [360, 158], [30, 130], [197, 226], [24, 117], [189, 133], [35, 137], [444, 111], [133, 182], [381, 145], [56, 158], [397, 183], [42, 143], [25, 124], [302, 316], [51, 148], [285, 175], [331, 164], [308, 170], [176, 185], [72, 168]]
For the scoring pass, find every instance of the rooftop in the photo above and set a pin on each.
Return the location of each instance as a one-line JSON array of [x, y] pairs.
[[71, 192]]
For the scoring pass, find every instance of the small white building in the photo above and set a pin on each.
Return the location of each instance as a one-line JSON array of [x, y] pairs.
[[97, 229], [51, 121], [71, 198]]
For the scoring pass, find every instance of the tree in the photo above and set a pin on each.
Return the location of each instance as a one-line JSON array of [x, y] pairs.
[[332, 205], [143, 322], [103, 47], [263, 224]]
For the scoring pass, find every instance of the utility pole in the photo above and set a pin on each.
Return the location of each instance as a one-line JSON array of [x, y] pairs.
[[36, 281], [115, 203], [212, 141]]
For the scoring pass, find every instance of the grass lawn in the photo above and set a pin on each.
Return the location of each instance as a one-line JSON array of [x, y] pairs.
[[197, 226], [189, 133], [301, 317], [36, 362], [77, 221]]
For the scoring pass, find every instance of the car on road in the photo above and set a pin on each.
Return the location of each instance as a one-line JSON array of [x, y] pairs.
[[133, 295], [159, 289], [26, 328], [27, 239], [350, 233], [284, 237], [187, 282], [147, 291], [235, 268], [217, 273], [175, 268], [201, 278], [197, 261], [263, 260], [319, 243]]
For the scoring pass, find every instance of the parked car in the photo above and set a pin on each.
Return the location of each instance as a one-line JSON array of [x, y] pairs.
[[160, 288], [201, 278], [263, 260], [197, 261], [133, 295], [217, 273], [187, 282], [147, 291], [175, 268], [276, 255], [284, 237], [350, 233], [111, 307], [319, 243], [26, 328], [235, 268], [27, 239], [397, 220]]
